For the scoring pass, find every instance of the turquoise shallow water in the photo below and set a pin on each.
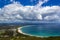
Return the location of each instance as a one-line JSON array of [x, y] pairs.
[[42, 30]]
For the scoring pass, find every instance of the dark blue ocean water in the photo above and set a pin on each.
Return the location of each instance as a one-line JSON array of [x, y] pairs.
[[42, 30]]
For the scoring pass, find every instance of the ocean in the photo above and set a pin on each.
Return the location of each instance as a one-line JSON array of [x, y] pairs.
[[45, 30]]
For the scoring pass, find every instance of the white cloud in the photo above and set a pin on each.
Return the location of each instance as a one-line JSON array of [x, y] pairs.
[[52, 17], [41, 2], [16, 11]]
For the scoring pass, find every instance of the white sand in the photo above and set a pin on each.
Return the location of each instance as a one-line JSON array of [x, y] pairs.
[[20, 31]]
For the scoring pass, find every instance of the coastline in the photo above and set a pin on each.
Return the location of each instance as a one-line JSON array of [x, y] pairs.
[[20, 31]]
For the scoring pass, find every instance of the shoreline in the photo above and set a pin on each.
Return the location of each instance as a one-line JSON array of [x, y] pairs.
[[20, 31]]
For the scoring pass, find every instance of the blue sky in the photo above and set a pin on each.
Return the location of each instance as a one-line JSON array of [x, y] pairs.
[[28, 2], [29, 10]]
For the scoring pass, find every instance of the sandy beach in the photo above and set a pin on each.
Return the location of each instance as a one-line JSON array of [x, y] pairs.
[[20, 31]]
